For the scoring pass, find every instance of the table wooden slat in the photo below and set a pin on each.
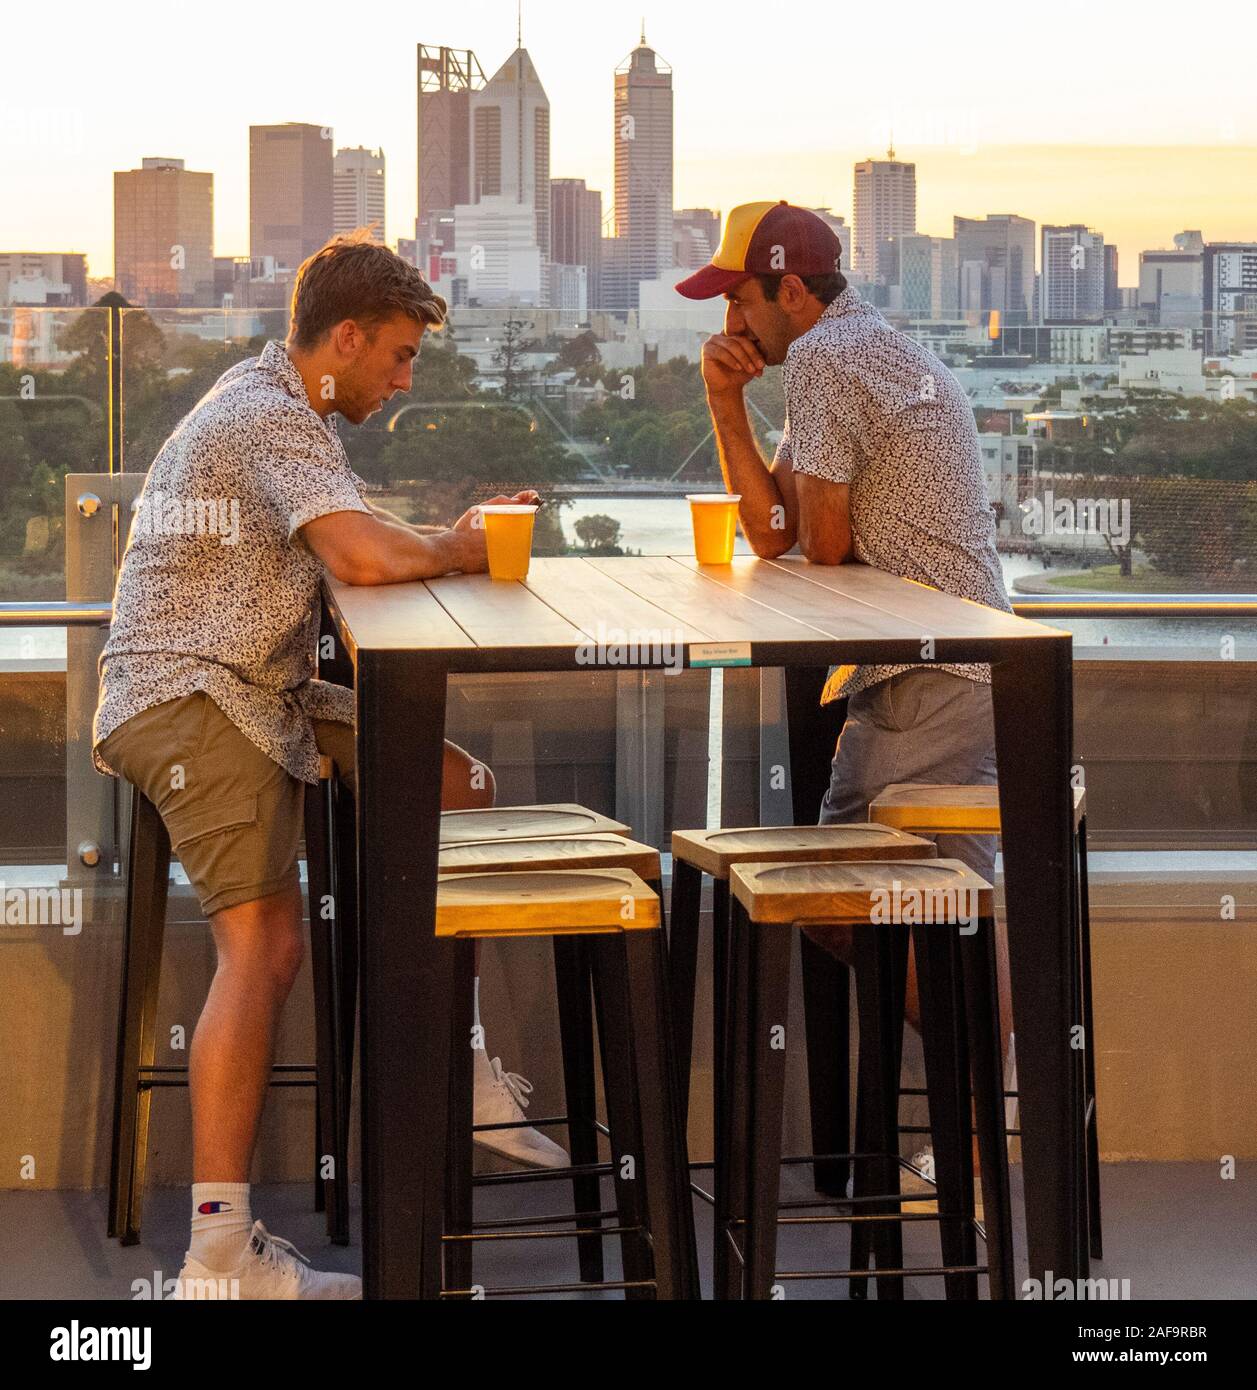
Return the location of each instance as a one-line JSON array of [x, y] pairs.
[[692, 598], [790, 593], [495, 613], [929, 611], [587, 597], [395, 617]]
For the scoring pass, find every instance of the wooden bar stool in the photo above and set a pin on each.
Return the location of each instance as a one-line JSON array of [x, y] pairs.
[[950, 912], [964, 810], [715, 852], [618, 916], [136, 1075], [572, 985], [525, 823]]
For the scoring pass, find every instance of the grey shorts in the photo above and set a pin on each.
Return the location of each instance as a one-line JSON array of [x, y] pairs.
[[919, 726], [234, 816]]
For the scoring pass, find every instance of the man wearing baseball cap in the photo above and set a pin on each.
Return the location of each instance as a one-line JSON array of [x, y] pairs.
[[879, 463]]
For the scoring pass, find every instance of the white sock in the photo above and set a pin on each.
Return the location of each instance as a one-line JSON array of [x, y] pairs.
[[220, 1234]]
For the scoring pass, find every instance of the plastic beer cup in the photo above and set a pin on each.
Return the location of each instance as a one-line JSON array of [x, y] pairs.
[[715, 517], [508, 537]]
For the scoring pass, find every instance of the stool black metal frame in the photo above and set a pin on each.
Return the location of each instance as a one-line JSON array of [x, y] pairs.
[[136, 1075], [956, 978], [1085, 1129], [627, 974]]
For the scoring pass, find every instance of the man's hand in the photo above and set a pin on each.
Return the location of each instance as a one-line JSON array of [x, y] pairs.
[[470, 519], [730, 363]]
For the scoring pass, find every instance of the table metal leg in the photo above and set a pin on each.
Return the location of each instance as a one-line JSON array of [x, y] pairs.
[[1033, 692], [407, 976]]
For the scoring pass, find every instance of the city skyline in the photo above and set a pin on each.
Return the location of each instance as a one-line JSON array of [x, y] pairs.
[[1139, 188]]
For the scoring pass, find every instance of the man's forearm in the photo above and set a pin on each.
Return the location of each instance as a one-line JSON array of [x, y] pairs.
[[404, 556], [394, 520], [763, 511]]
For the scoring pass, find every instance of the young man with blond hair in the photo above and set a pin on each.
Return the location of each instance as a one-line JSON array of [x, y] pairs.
[[209, 702]]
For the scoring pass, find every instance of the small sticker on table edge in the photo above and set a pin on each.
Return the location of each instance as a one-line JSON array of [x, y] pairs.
[[708, 654]]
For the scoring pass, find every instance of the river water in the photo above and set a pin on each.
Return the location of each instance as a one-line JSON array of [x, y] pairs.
[[661, 526]]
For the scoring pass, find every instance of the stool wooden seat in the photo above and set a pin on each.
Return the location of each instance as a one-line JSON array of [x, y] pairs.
[[593, 851], [525, 823], [715, 852], [871, 893], [543, 903], [948, 810], [948, 912], [962, 810], [619, 916]]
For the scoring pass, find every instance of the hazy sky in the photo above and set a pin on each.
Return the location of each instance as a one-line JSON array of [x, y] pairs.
[[1137, 118]]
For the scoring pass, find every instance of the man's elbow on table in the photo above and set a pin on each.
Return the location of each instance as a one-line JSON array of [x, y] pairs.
[[771, 545], [358, 548], [825, 521], [825, 550]]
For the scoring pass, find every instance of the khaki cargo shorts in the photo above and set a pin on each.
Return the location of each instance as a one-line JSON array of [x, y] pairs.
[[234, 816]]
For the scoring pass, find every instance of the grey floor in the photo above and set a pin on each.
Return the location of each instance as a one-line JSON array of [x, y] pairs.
[[1175, 1231]]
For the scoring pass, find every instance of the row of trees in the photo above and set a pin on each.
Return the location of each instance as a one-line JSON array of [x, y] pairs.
[[1186, 469]]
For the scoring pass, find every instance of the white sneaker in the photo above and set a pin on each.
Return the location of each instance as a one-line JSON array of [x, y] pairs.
[[270, 1268], [500, 1099], [925, 1189]]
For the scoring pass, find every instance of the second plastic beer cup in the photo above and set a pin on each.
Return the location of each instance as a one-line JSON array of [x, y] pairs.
[[508, 536], [715, 517]]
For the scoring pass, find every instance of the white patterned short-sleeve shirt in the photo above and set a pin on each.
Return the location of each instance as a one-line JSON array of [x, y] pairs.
[[870, 407], [217, 590]]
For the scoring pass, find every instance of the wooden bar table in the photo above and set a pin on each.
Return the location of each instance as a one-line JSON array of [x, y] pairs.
[[405, 640]]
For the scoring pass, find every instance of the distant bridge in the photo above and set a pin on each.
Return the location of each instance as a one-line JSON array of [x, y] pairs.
[[631, 487]]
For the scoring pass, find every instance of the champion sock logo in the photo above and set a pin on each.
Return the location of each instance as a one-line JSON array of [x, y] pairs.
[[213, 1208]]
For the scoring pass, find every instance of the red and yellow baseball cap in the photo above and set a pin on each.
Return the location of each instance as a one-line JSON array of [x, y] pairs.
[[766, 239]]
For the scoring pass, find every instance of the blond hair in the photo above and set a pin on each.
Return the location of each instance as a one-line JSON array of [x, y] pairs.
[[353, 277]]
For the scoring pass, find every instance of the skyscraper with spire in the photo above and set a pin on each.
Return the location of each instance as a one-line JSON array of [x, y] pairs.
[[510, 141], [885, 210], [643, 166]]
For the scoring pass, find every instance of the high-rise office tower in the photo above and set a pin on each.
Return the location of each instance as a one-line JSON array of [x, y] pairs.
[[576, 231], [1112, 291], [999, 253], [163, 235], [695, 237], [885, 208], [358, 191], [838, 225], [290, 191], [928, 276], [447, 79], [510, 142], [1230, 296], [1072, 286], [643, 165], [1171, 283]]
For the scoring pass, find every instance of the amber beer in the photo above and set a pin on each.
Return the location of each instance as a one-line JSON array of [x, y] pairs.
[[715, 517], [508, 537]]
